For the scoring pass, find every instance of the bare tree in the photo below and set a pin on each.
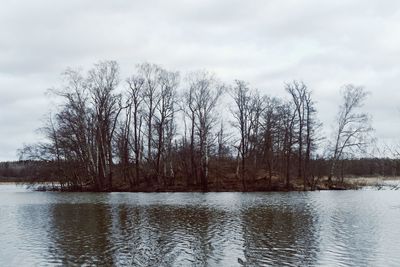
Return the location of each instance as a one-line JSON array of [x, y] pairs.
[[135, 100], [102, 82], [69, 133], [73, 130], [287, 117], [312, 138], [306, 122], [164, 122], [242, 112], [272, 139], [298, 93], [151, 76], [204, 92], [353, 126], [257, 108], [188, 107]]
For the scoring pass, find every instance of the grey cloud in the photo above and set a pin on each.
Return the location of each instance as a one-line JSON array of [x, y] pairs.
[[324, 43]]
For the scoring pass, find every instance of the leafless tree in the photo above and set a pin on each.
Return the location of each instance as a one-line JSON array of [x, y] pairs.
[[271, 137], [287, 117], [306, 124], [151, 76], [134, 120], [203, 92], [188, 107], [164, 122], [353, 127], [242, 112], [102, 82], [298, 93], [257, 104]]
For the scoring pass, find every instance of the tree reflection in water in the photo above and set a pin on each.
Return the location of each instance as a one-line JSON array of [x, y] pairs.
[[194, 234], [80, 234], [224, 229], [280, 236]]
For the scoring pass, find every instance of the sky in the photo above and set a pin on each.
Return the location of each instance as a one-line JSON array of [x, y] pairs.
[[326, 44]]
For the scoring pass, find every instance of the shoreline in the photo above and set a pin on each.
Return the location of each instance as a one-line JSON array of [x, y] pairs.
[[349, 183]]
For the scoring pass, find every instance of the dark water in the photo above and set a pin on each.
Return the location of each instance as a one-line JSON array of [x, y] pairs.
[[349, 228]]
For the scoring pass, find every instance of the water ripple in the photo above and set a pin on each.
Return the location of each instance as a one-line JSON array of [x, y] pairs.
[[228, 229]]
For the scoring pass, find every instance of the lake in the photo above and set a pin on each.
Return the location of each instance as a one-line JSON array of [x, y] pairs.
[[328, 228]]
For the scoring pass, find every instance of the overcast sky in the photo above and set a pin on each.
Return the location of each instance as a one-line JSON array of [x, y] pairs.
[[268, 42]]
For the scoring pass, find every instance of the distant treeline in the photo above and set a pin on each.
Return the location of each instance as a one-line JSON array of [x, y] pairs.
[[27, 171], [41, 171], [155, 131]]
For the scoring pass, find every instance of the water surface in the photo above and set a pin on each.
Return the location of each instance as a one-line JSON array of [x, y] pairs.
[[330, 228]]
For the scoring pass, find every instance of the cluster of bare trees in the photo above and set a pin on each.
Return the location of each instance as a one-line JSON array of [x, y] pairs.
[[153, 131], [147, 130], [275, 134], [82, 130], [199, 105]]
